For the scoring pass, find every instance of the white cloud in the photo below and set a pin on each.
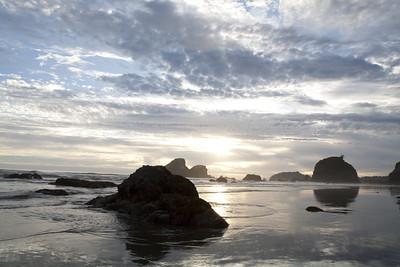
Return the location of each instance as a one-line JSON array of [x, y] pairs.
[[238, 85]]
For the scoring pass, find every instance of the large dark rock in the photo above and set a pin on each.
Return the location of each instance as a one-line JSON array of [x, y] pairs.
[[290, 177], [53, 192], [178, 167], [155, 195], [25, 175], [334, 170], [394, 176], [83, 183], [252, 178]]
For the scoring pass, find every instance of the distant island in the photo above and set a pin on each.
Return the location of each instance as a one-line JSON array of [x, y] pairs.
[[252, 178], [290, 177]]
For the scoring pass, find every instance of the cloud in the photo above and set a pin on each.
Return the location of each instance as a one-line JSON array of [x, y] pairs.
[[291, 80]]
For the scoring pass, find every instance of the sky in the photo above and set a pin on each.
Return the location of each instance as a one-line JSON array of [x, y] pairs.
[[241, 86]]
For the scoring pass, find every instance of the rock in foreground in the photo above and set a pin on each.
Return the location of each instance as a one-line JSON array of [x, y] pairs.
[[290, 177], [335, 170], [26, 175], [155, 195], [394, 176], [83, 183], [252, 178]]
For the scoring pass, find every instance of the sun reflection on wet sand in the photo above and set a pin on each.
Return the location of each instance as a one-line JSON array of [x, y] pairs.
[[218, 197]]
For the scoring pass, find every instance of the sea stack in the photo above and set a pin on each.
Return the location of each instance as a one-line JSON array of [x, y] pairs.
[[198, 171], [335, 170], [290, 177], [252, 178], [394, 176], [178, 167], [153, 194]]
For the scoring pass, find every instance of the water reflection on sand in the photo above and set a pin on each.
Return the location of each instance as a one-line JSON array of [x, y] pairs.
[[151, 243], [336, 197], [268, 226]]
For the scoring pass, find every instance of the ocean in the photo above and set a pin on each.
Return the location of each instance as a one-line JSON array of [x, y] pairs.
[[269, 226]]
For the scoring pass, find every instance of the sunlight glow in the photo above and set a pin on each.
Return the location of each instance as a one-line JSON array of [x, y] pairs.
[[217, 198], [216, 145]]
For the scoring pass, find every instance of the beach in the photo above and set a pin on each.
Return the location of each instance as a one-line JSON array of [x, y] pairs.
[[268, 225]]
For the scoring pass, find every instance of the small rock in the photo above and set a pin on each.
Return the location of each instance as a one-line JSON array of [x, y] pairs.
[[314, 209], [26, 175], [222, 179], [53, 192], [83, 183]]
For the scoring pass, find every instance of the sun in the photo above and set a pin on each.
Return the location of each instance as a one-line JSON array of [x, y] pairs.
[[216, 145]]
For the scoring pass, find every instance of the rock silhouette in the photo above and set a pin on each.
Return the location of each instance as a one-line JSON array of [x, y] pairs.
[[198, 171], [25, 175], [394, 176], [53, 192], [290, 177], [73, 182], [221, 179], [314, 209], [178, 167], [334, 170], [155, 195], [252, 178], [336, 197]]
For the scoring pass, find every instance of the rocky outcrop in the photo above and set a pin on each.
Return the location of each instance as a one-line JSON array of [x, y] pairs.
[[252, 178], [25, 175], [334, 170], [178, 167], [290, 177], [394, 176], [153, 194], [83, 183], [53, 192], [221, 179]]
